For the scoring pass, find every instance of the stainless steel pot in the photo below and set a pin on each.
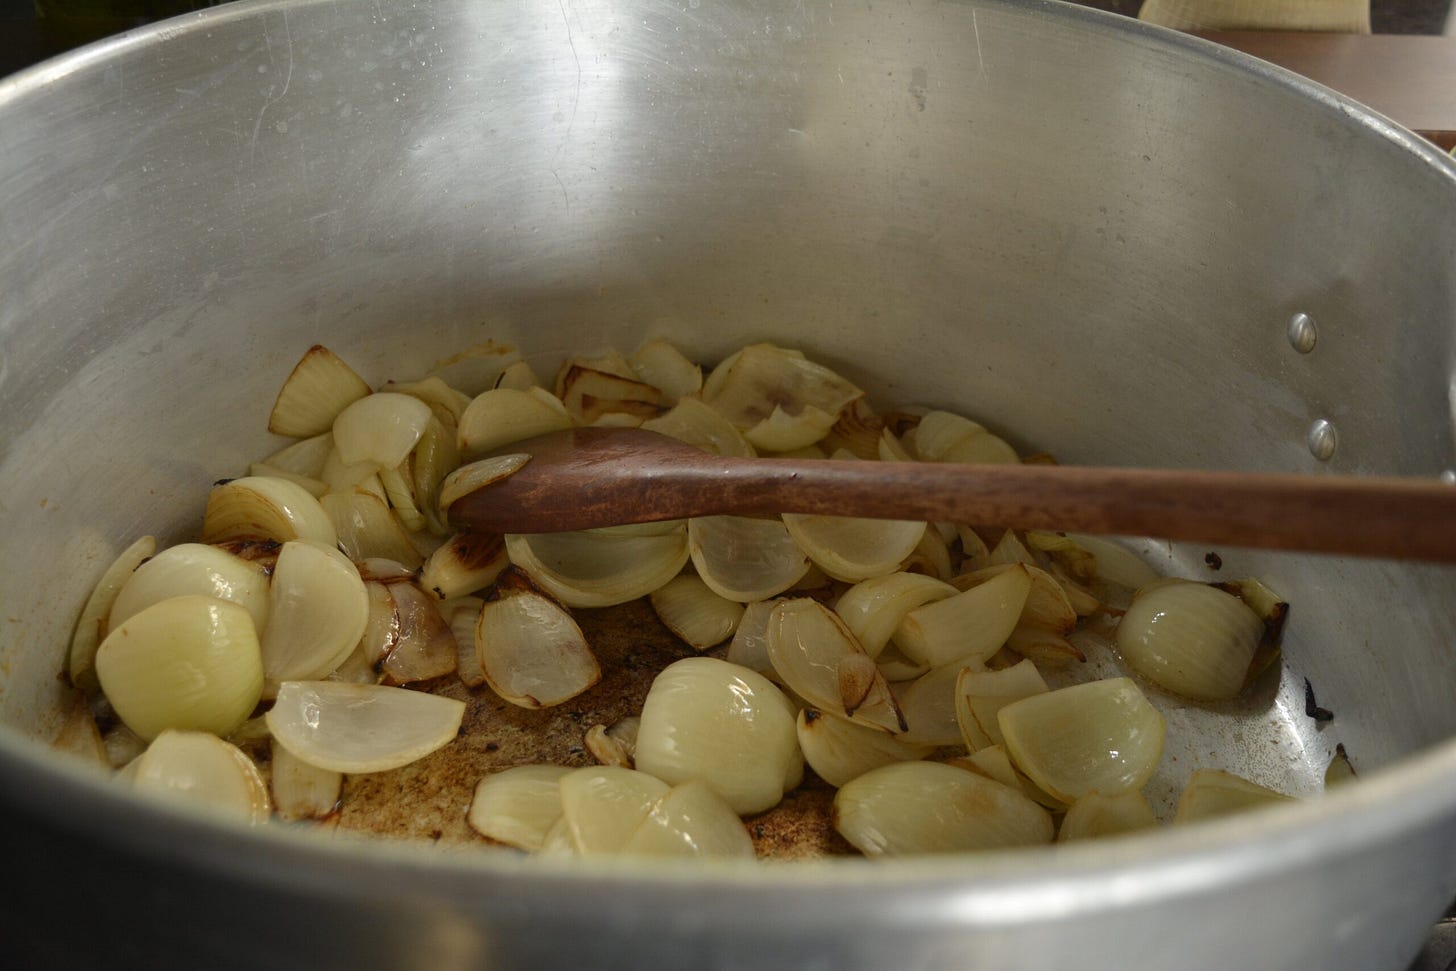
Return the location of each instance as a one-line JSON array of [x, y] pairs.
[[1092, 233]]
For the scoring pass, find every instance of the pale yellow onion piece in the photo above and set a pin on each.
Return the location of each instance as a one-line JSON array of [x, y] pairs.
[[874, 608], [193, 568], [930, 557], [745, 559], [665, 367], [1096, 815], [305, 457], [852, 549], [606, 749], [1066, 552], [783, 433], [300, 790], [532, 652], [365, 527], [810, 649], [980, 696], [475, 475], [889, 449], [590, 395], [611, 361], [463, 621], [500, 416], [355, 669], [1213, 792], [518, 376], [691, 820], [604, 805], [381, 429], [993, 763], [726, 725], [518, 806], [257, 507], [1044, 646], [601, 567], [971, 625], [434, 458], [202, 769], [381, 630], [896, 667], [314, 487], [399, 492], [1102, 736], [319, 387], [1190, 638], [467, 562], [857, 431], [929, 705], [944, 437], [763, 380], [692, 611], [693, 422], [749, 647], [1046, 606], [975, 554], [189, 662], [912, 808], [839, 750], [425, 646], [558, 842], [357, 728], [447, 403], [318, 609], [1010, 549], [91, 626], [342, 477]]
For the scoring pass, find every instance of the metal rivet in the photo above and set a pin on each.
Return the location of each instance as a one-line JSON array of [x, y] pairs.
[[1322, 440], [1302, 333]]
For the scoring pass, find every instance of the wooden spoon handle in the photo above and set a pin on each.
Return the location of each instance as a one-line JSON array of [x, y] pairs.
[[1383, 517]]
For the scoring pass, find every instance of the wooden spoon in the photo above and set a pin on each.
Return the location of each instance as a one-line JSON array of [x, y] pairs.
[[590, 477]]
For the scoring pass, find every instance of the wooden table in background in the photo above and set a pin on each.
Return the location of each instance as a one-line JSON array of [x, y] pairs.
[[1410, 79]]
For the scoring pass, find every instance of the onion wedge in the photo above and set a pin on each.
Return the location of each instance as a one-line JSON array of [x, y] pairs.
[[357, 728]]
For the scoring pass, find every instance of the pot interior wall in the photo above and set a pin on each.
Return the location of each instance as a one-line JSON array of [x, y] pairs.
[[1093, 239]]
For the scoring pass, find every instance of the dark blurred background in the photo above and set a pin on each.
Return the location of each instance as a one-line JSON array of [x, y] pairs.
[[27, 36]]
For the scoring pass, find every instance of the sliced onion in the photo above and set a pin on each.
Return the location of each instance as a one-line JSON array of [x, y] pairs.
[[839, 750], [1102, 736], [464, 620], [189, 662], [602, 567], [1213, 792], [357, 728], [532, 652], [691, 820], [590, 395], [944, 437], [318, 607], [694, 613], [778, 395], [993, 763], [726, 725], [857, 431], [314, 487], [929, 706], [812, 650], [305, 458], [380, 429], [445, 402], [693, 422], [518, 376], [853, 549], [913, 808], [424, 646], [604, 805], [300, 790], [204, 770], [319, 387], [749, 647], [518, 806], [257, 507], [465, 563], [665, 367], [969, 626], [745, 559], [193, 568], [475, 475], [366, 527], [498, 417], [399, 492], [435, 456], [1044, 646], [980, 696], [91, 626], [874, 608], [1096, 815], [1190, 638]]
